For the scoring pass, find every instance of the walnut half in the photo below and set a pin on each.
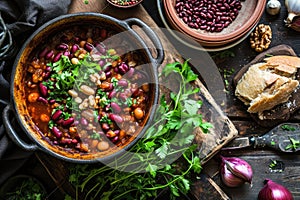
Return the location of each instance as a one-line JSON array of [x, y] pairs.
[[260, 38]]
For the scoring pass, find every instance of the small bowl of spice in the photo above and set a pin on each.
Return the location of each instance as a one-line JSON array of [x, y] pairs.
[[124, 3], [214, 23]]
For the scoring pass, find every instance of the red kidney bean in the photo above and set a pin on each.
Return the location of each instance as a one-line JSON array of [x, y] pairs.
[[62, 46], [57, 56], [74, 48], [88, 46], [56, 115], [130, 72], [52, 101], [76, 122], [43, 89], [101, 48], [60, 121], [115, 107], [48, 69], [108, 74], [123, 96], [109, 88], [107, 69], [66, 141], [49, 54], [43, 100], [43, 53], [115, 139], [123, 68], [68, 122], [47, 75], [116, 118], [203, 14], [101, 62], [105, 127], [123, 83], [67, 53], [83, 121], [56, 132], [112, 94], [74, 141]]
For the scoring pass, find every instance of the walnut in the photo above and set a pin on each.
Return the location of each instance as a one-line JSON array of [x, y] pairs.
[[260, 38]]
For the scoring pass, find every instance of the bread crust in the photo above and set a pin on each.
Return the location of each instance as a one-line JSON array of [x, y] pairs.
[[268, 84]]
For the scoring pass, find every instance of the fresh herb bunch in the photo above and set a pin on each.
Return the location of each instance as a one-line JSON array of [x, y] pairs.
[[28, 189], [165, 158]]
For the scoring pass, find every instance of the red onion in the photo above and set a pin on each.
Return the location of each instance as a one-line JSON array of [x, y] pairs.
[[235, 171], [274, 191]]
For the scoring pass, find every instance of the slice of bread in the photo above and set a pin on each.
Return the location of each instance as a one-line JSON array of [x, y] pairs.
[[268, 84]]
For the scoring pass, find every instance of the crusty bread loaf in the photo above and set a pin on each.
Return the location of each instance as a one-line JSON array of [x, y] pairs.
[[268, 84]]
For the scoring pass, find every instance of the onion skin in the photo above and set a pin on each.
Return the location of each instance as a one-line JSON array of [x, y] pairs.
[[274, 191], [295, 24], [293, 8], [235, 171]]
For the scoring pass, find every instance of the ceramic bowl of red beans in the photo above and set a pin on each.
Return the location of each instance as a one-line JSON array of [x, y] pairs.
[[214, 23], [124, 3], [83, 87]]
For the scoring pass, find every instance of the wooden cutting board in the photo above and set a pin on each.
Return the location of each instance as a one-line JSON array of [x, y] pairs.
[[280, 113]]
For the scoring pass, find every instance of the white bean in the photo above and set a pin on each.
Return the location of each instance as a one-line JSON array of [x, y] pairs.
[[87, 90], [73, 93]]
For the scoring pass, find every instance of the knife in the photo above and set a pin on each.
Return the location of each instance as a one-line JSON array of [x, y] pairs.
[[284, 137]]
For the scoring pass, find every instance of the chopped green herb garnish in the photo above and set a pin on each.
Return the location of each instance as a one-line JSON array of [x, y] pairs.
[[276, 166], [288, 127], [95, 136], [295, 144]]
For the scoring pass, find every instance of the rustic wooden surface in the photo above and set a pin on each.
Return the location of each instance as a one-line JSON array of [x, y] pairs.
[[210, 186], [236, 111]]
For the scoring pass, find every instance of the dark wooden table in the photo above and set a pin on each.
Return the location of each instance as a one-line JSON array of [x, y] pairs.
[[260, 159]]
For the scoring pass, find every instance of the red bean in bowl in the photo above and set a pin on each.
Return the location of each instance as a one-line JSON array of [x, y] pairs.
[[209, 15]]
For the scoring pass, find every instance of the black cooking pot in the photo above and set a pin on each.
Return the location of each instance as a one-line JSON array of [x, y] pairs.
[[18, 102]]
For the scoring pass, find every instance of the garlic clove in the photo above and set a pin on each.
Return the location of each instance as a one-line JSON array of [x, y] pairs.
[[273, 7], [229, 179], [295, 24], [235, 171], [293, 8]]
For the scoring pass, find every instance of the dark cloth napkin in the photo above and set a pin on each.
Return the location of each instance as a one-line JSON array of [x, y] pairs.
[[20, 18]]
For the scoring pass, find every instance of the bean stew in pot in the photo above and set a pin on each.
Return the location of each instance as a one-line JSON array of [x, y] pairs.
[[83, 95]]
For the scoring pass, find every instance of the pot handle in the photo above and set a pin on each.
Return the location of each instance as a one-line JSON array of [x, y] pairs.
[[13, 134], [151, 34]]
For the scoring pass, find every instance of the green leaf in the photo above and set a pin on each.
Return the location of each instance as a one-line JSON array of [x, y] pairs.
[[171, 67], [288, 127], [186, 184], [152, 169], [205, 126], [196, 165], [162, 151], [149, 145], [191, 106], [174, 190]]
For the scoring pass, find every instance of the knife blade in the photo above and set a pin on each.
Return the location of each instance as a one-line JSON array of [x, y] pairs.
[[284, 137]]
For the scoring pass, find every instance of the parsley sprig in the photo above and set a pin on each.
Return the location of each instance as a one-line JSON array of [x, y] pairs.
[[164, 158]]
